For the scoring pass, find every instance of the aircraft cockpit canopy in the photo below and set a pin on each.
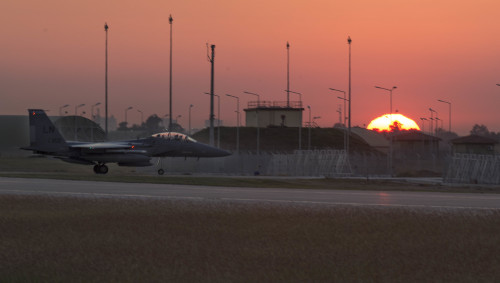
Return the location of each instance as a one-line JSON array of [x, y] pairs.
[[174, 136]]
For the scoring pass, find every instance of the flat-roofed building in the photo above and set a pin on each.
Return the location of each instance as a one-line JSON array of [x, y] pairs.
[[474, 144], [273, 114]]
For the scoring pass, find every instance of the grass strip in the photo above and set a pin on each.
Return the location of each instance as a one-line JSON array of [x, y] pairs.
[[64, 239]]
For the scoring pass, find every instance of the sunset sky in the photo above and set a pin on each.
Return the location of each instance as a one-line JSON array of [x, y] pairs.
[[52, 53]]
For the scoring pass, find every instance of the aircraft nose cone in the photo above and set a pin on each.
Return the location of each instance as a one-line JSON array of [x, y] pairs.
[[224, 152], [217, 152], [210, 151]]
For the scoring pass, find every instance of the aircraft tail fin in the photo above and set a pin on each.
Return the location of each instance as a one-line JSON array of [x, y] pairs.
[[44, 136]]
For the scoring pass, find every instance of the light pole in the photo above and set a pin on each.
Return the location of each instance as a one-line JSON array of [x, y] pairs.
[[212, 75], [423, 131], [390, 92], [449, 111], [177, 120], [309, 134], [300, 122], [346, 134], [92, 116], [432, 118], [170, 20], [126, 110], [346, 137], [437, 119], [76, 109], [345, 100], [106, 79], [389, 162], [300, 97], [61, 108], [423, 123], [237, 122], [190, 106], [218, 118], [92, 110], [142, 116], [349, 128], [257, 116], [78, 106], [288, 75]]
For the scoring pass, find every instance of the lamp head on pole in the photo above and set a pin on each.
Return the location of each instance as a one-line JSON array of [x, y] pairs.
[[287, 45], [106, 26], [349, 40], [170, 19]]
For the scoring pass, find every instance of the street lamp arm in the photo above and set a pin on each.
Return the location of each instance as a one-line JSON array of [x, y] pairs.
[[388, 89], [336, 90], [293, 92], [247, 92]]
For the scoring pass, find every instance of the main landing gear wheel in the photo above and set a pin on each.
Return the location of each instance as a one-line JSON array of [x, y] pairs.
[[161, 171], [100, 169]]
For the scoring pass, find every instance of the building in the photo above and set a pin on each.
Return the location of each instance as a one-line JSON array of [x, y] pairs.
[[273, 114], [474, 144], [414, 143]]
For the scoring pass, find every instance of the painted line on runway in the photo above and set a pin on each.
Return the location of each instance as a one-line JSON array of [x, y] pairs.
[[98, 194], [361, 204]]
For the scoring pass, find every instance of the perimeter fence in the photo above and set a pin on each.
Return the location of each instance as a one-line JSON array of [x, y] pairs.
[[473, 169]]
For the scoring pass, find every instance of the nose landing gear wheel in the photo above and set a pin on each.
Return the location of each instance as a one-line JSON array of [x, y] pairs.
[[161, 171]]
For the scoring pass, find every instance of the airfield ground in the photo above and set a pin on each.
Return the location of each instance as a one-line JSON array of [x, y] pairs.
[[62, 239], [57, 239]]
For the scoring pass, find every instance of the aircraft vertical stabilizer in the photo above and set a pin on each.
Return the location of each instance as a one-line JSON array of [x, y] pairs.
[[44, 136]]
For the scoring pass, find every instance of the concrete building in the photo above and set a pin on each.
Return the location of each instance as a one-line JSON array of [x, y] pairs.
[[474, 144], [273, 114], [408, 144]]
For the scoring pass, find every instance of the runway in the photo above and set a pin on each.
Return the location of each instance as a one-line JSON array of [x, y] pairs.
[[261, 195]]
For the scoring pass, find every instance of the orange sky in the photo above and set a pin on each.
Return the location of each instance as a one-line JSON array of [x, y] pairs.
[[52, 53]]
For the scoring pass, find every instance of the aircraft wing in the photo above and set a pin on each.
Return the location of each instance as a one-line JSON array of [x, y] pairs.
[[103, 145]]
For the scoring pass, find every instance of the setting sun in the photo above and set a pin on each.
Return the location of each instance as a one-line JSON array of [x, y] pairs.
[[384, 122]]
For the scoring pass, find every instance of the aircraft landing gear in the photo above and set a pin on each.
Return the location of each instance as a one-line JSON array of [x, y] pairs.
[[100, 169], [159, 163]]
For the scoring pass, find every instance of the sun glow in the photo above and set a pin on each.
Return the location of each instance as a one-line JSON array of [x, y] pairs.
[[390, 122]]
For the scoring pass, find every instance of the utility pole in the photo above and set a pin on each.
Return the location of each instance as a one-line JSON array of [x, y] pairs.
[[211, 59]]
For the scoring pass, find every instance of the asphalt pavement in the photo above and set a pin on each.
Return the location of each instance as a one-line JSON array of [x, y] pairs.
[[261, 195]]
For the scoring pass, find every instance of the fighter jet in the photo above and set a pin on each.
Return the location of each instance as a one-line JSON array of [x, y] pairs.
[[47, 140]]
